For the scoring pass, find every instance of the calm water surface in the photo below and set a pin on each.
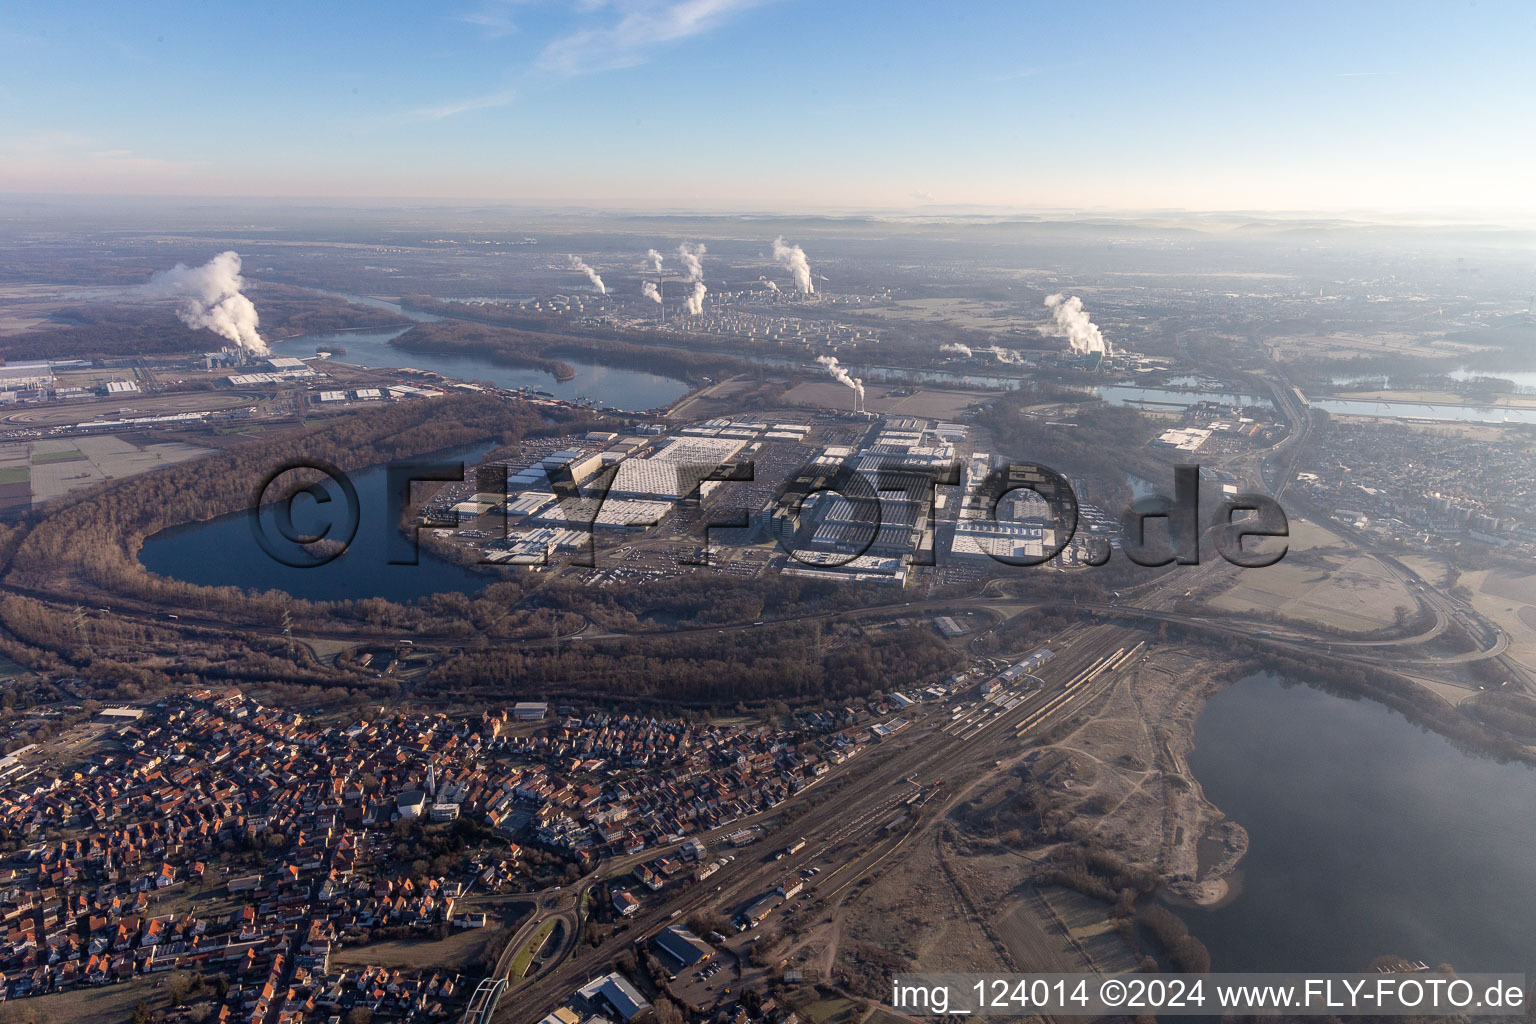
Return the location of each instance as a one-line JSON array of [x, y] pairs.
[[611, 386], [1369, 836], [224, 552]]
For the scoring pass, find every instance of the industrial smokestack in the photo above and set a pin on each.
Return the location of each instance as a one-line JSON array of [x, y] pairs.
[[792, 258], [1081, 333], [770, 285], [211, 298], [577, 263], [840, 374]]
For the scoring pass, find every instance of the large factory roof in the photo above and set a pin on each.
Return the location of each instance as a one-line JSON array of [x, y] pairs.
[[26, 375]]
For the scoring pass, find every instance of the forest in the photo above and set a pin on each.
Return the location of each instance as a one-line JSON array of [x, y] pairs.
[[794, 662], [512, 348], [1102, 443]]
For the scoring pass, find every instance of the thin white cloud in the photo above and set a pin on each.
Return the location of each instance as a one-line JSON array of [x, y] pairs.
[[489, 101], [494, 18], [628, 41]]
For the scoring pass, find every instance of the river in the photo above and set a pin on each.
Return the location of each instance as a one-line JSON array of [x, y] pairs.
[[1426, 411], [1369, 836], [611, 386]]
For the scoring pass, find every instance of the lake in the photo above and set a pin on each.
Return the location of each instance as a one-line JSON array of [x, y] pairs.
[[224, 552], [1369, 836]]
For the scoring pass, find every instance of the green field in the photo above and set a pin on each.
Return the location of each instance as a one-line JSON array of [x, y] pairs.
[[832, 1011], [530, 949], [15, 475], [73, 455]]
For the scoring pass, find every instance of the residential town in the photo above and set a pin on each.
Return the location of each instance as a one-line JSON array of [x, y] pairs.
[[208, 834], [1426, 489]]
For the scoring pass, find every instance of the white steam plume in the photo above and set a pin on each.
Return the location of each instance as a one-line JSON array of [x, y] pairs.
[[693, 260], [210, 297], [771, 286], [957, 349], [693, 268], [792, 257], [655, 258], [648, 289], [577, 263], [1005, 355], [1081, 333], [840, 373]]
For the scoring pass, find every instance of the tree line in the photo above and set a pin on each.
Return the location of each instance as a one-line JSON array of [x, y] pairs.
[[785, 662]]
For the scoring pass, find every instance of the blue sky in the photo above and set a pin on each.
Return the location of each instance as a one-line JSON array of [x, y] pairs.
[[779, 105]]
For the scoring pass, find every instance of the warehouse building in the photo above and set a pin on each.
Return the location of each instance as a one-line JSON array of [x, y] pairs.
[[674, 470], [681, 946], [30, 381], [613, 992]]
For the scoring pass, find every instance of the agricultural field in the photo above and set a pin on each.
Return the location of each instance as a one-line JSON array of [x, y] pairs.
[[35, 471]]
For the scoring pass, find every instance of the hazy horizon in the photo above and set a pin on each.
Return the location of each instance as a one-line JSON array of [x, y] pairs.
[[1213, 221]]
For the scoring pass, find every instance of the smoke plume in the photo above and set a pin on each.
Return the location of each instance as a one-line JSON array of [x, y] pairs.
[[792, 258], [1006, 355], [1002, 355], [693, 269], [648, 289], [771, 286], [1081, 333], [693, 260], [840, 373], [577, 263], [655, 258], [211, 298]]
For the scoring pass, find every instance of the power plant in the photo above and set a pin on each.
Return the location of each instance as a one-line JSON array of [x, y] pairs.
[[840, 373]]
